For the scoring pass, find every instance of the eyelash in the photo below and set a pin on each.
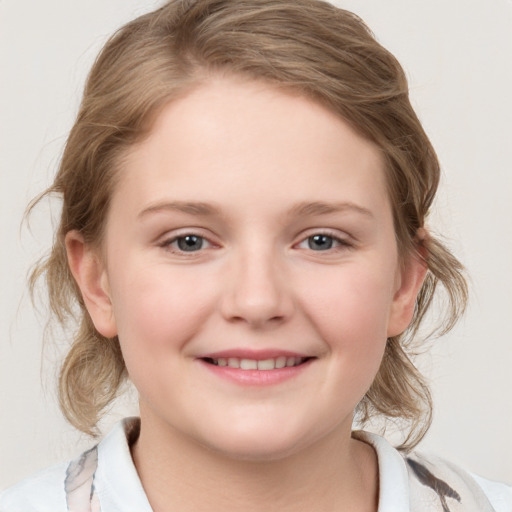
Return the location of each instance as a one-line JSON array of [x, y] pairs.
[[168, 244], [341, 243]]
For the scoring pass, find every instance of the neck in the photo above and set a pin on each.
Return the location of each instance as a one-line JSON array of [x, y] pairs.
[[177, 473]]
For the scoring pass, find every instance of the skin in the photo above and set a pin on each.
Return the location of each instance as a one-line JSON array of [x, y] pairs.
[[255, 156]]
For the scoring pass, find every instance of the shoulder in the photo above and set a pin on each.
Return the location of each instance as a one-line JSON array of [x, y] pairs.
[[455, 485], [102, 478], [42, 492], [499, 494], [414, 481], [56, 489]]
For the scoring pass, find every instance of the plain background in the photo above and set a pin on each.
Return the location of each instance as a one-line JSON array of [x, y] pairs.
[[457, 55]]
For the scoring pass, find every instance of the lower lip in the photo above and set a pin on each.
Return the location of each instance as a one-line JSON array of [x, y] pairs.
[[256, 377]]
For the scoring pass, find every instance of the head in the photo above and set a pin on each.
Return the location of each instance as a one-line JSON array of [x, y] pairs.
[[303, 47]]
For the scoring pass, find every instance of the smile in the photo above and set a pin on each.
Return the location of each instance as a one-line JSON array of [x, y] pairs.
[[254, 364]]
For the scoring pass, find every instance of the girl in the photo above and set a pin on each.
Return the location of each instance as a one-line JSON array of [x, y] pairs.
[[245, 192]]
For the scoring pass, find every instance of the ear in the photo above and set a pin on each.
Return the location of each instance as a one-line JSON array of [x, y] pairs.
[[91, 277], [409, 280]]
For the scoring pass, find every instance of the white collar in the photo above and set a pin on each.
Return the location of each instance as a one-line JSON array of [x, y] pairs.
[[118, 481], [393, 474]]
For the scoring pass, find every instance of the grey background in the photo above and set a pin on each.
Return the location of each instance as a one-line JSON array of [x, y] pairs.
[[457, 55]]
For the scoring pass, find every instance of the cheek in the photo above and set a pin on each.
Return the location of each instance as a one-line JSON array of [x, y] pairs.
[[351, 310], [157, 309]]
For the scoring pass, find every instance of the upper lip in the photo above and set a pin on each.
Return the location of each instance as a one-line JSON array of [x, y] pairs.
[[258, 355]]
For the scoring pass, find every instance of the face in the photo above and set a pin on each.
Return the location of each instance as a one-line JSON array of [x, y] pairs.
[[250, 270]]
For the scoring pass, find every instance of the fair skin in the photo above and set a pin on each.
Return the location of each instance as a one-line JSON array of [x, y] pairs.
[[251, 227]]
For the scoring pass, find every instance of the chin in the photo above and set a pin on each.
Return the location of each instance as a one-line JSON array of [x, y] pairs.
[[252, 453], [258, 445]]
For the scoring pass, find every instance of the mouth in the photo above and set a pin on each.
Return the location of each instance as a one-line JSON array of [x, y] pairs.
[[269, 364]]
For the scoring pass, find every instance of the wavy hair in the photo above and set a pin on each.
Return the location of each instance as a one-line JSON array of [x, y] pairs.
[[306, 46]]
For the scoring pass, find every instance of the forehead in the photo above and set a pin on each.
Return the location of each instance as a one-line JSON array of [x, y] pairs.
[[254, 140]]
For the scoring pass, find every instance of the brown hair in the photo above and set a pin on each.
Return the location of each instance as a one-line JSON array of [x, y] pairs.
[[307, 46]]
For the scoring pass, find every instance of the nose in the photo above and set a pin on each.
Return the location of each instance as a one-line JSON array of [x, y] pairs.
[[256, 291]]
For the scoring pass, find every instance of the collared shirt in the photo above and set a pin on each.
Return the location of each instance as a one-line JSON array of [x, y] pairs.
[[104, 479]]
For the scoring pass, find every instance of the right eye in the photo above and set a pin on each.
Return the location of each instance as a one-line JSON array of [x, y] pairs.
[[321, 242], [186, 243]]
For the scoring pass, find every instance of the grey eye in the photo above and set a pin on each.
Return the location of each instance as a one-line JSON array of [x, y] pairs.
[[190, 243], [320, 242]]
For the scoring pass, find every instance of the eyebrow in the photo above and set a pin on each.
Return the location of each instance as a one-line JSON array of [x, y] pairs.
[[322, 208], [301, 209], [190, 207]]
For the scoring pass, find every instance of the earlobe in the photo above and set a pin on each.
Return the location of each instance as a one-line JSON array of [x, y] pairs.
[[411, 278], [91, 277]]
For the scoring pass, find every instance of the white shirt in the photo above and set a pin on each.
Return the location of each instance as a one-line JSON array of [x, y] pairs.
[[105, 479]]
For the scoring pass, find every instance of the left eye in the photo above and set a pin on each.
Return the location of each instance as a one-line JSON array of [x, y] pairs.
[[320, 242], [188, 243]]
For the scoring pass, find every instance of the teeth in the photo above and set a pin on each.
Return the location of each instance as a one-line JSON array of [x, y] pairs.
[[290, 361], [253, 364], [248, 364], [233, 362], [266, 364], [281, 362]]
